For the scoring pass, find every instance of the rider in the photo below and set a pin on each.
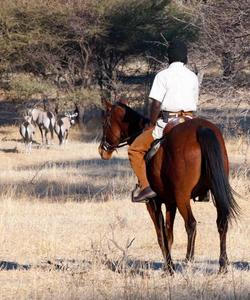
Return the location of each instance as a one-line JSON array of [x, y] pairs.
[[174, 92]]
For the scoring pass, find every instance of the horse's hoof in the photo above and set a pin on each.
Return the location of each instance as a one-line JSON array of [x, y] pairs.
[[167, 273], [188, 261], [224, 263], [168, 270], [223, 270]]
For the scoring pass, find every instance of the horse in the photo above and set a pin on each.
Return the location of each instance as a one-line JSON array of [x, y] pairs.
[[191, 160]]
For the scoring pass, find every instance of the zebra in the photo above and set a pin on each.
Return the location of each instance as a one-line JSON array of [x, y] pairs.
[[27, 130], [45, 121], [63, 125]]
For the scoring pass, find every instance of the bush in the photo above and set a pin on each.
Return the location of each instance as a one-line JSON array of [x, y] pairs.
[[85, 40], [84, 97], [24, 86]]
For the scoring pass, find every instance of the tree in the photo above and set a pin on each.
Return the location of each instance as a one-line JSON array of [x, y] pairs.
[[225, 33], [135, 28], [73, 41]]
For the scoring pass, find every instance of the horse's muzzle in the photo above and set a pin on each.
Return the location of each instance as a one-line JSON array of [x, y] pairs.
[[104, 153]]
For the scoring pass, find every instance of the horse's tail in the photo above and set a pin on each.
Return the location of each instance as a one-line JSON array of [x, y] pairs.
[[214, 169]]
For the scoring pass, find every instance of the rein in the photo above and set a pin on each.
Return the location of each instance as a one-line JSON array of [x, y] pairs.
[[106, 146]]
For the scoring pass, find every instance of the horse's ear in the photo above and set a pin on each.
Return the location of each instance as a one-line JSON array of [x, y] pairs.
[[106, 104]]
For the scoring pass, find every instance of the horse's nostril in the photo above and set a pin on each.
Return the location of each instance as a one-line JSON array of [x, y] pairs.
[[104, 154]]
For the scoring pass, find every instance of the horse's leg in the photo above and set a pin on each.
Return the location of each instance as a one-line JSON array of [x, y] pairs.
[[154, 211], [184, 208], [156, 215], [222, 225], [170, 216]]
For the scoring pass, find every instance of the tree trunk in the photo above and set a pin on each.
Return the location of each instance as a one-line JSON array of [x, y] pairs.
[[227, 63]]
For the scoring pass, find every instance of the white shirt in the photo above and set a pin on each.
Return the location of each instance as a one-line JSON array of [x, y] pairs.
[[177, 88]]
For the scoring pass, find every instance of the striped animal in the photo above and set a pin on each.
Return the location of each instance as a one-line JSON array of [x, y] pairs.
[[63, 125], [45, 121], [27, 130]]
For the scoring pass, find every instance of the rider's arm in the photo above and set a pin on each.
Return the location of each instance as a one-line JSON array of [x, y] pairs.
[[154, 111], [157, 92]]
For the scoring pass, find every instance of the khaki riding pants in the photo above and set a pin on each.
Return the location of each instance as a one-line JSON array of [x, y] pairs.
[[136, 153]]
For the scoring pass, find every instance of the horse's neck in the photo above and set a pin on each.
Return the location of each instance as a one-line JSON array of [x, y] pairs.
[[138, 125], [134, 123]]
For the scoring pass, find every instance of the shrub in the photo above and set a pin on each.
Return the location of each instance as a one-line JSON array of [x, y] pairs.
[[25, 86]]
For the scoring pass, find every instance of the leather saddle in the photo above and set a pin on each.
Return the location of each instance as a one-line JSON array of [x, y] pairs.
[[171, 123]]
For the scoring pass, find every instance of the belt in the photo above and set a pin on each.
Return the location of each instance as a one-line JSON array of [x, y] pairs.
[[165, 115]]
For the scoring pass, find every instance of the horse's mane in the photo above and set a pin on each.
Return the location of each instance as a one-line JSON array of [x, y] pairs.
[[132, 116]]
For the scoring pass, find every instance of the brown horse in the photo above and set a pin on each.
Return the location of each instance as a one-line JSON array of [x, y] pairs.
[[191, 161]]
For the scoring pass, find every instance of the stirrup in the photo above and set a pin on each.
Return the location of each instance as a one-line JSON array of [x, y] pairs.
[[135, 192], [153, 150]]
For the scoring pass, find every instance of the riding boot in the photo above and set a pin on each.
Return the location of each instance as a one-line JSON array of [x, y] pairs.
[[142, 196], [136, 153]]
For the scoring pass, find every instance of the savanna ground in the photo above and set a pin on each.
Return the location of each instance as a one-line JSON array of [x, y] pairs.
[[69, 230]]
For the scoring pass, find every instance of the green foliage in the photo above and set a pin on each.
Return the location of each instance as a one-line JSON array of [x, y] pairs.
[[83, 97], [136, 28], [134, 25], [24, 86]]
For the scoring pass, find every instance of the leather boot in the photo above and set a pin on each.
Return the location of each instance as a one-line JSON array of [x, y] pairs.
[[143, 196]]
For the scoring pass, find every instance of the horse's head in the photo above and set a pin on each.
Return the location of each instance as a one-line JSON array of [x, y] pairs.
[[120, 127], [114, 130]]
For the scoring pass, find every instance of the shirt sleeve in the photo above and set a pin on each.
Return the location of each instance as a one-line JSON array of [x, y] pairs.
[[158, 89]]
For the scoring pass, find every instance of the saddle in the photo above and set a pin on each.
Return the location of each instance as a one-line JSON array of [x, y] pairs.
[[172, 120]]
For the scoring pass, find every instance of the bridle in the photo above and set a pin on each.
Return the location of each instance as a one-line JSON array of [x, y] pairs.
[[105, 145]]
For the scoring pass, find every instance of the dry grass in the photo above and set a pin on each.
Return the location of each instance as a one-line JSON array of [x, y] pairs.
[[62, 212]]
